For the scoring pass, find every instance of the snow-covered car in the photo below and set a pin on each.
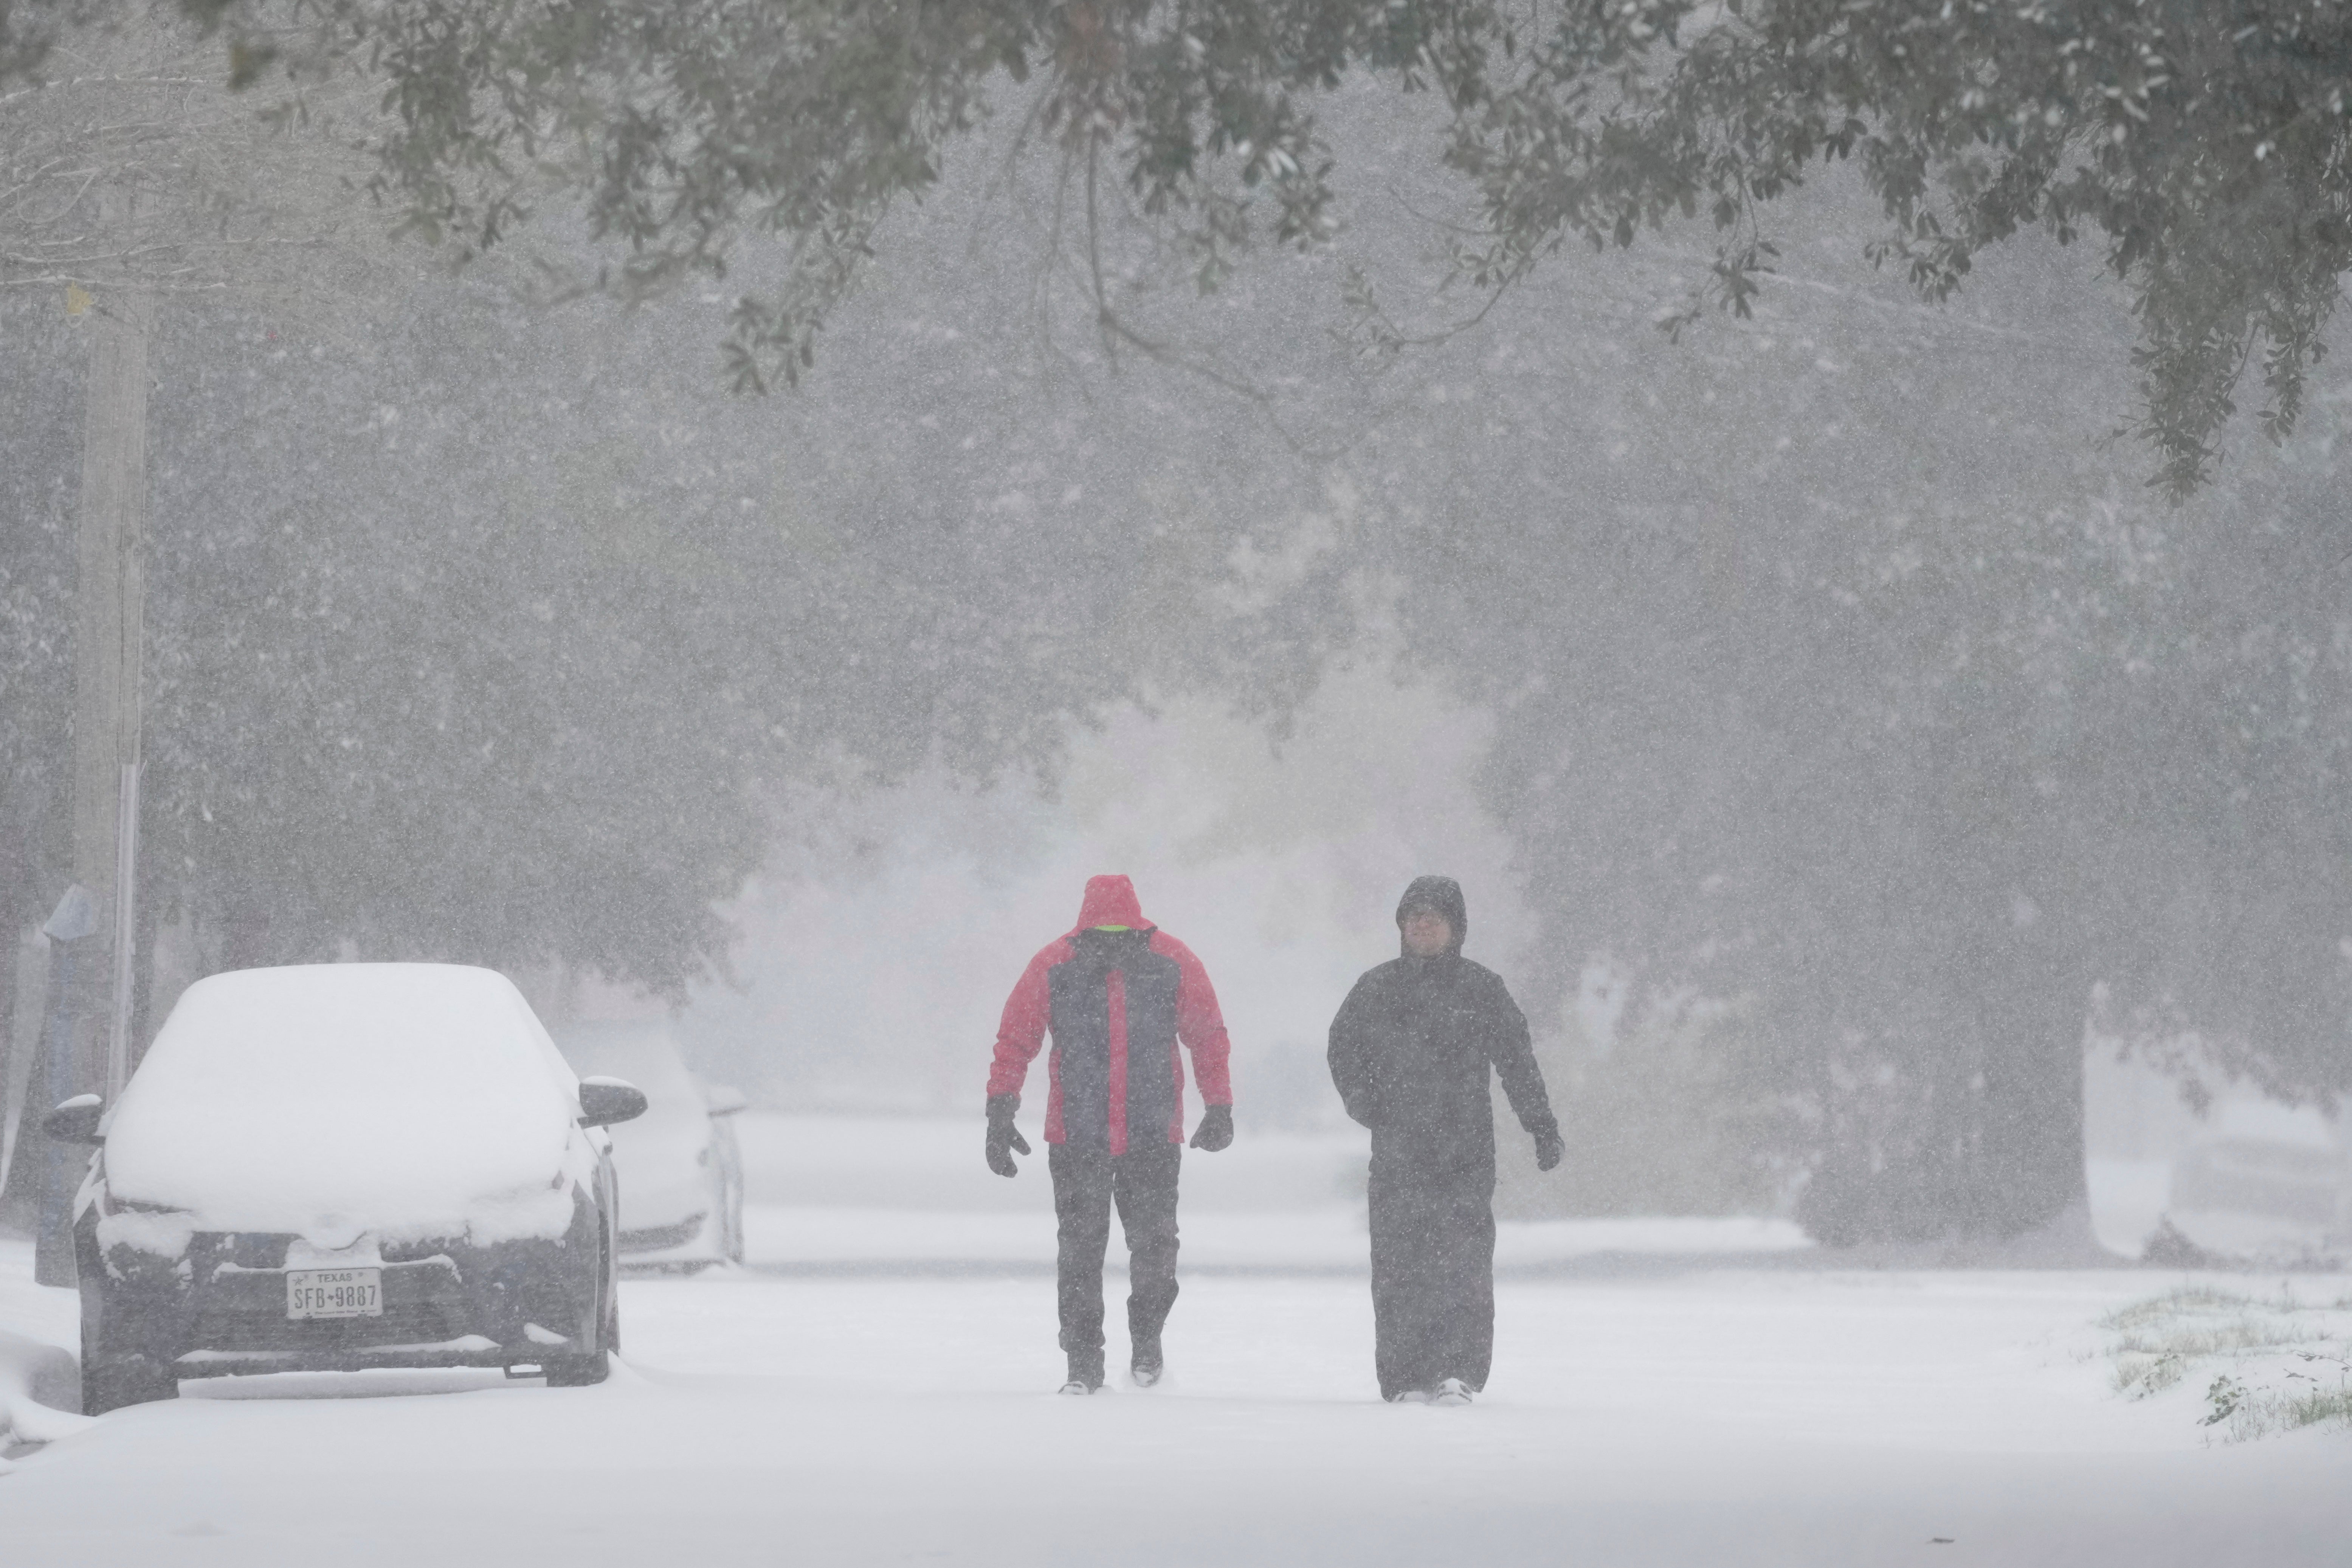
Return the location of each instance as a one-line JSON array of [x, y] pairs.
[[2254, 1196], [681, 1174], [343, 1166]]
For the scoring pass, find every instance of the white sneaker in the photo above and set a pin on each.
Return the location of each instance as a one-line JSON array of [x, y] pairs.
[[1410, 1396], [1453, 1390], [1077, 1385]]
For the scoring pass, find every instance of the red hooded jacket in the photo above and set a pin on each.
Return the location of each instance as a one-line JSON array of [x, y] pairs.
[[1117, 1004]]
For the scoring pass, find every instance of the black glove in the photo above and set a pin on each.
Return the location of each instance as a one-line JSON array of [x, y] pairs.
[[1002, 1136], [1216, 1128], [1550, 1148]]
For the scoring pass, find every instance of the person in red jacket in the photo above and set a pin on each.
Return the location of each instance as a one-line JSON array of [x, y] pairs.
[[1118, 995]]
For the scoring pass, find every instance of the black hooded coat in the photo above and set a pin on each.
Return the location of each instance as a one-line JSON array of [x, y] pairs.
[[1410, 1053], [1415, 1042]]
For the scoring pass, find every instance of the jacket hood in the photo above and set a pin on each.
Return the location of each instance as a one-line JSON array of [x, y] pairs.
[[1109, 901], [1439, 894]]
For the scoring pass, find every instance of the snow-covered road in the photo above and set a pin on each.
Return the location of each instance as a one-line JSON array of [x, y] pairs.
[[1806, 1417]]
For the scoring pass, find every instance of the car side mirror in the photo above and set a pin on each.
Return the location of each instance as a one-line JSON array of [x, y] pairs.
[[76, 1121], [605, 1100], [721, 1101]]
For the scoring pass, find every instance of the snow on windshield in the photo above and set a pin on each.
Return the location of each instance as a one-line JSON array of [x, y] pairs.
[[388, 1098]]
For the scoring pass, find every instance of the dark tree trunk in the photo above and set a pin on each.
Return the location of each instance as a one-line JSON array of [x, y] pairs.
[[2029, 1157], [1964, 1122]]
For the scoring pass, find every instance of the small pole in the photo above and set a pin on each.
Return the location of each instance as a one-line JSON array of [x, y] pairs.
[[109, 635]]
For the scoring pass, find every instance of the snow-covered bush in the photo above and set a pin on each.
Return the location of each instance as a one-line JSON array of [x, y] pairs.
[[2276, 1364]]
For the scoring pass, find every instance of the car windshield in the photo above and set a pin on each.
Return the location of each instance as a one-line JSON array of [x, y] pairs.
[[383, 1096]]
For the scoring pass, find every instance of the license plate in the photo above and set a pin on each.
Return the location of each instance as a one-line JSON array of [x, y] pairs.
[[334, 1292]]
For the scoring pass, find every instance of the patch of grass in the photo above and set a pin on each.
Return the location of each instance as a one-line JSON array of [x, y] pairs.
[[2172, 1304], [2321, 1405], [2150, 1362], [2243, 1412], [2278, 1365]]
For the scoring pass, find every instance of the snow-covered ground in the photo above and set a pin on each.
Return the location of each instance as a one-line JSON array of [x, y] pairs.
[[876, 1388], [1326, 1240], [1784, 1415]]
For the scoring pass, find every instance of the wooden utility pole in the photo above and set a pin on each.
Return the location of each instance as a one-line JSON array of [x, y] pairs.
[[109, 624], [108, 629]]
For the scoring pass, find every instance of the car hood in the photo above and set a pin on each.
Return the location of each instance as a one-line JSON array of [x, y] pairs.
[[338, 1100]]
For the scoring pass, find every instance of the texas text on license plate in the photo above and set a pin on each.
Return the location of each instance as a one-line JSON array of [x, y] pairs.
[[334, 1292]]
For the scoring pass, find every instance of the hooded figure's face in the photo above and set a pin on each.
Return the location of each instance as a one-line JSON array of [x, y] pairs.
[[1427, 934], [1435, 905]]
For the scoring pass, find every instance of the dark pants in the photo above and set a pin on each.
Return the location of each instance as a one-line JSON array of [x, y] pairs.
[[1142, 1182], [1433, 1278]]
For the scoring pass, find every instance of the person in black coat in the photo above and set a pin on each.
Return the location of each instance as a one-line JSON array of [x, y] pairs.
[[1410, 1053]]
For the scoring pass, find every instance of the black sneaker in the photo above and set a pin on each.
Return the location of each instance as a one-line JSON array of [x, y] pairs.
[[1147, 1365]]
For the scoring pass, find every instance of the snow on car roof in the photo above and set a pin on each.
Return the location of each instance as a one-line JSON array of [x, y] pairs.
[[386, 1097]]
